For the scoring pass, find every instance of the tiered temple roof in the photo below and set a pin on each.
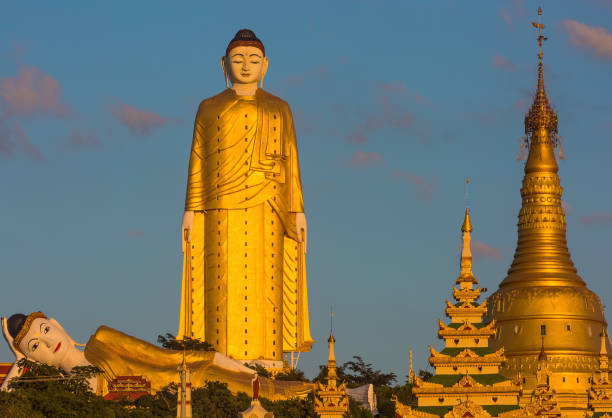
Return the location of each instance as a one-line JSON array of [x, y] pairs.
[[466, 369]]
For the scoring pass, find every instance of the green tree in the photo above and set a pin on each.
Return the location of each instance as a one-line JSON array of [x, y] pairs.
[[292, 375], [291, 408], [386, 407], [45, 391], [362, 373], [261, 370], [48, 391], [342, 377], [193, 344], [356, 411], [425, 375], [357, 372]]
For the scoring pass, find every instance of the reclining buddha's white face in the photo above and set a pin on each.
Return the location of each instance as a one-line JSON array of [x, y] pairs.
[[47, 342]]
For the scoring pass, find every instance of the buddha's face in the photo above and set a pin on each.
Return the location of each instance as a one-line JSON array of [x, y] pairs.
[[46, 342], [245, 64]]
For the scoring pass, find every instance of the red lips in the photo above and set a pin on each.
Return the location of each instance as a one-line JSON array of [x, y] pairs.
[[58, 347]]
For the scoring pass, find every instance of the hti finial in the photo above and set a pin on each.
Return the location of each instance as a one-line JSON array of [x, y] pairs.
[[541, 38], [541, 114]]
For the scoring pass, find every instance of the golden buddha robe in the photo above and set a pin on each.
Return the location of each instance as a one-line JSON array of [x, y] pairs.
[[244, 277], [119, 354]]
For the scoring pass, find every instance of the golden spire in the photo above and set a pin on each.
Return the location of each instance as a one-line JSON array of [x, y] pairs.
[[541, 257], [467, 225], [466, 274], [604, 359], [331, 360], [410, 369]]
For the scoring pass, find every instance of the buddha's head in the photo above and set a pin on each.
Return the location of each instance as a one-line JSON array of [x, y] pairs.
[[245, 60], [40, 338]]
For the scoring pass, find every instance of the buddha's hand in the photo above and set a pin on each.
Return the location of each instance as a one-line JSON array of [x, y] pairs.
[[187, 225], [302, 229], [9, 340]]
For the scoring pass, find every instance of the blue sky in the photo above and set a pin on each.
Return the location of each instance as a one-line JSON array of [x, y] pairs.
[[395, 104]]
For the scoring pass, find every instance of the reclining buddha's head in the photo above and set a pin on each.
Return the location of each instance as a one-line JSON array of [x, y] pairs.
[[40, 338]]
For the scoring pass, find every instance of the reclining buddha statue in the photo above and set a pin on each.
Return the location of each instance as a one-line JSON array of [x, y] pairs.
[[44, 340]]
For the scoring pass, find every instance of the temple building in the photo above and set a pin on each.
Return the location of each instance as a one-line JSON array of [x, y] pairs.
[[331, 399], [543, 304], [600, 393], [4, 369], [466, 369]]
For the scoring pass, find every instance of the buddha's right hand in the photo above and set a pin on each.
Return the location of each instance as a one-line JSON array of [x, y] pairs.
[[14, 370], [9, 340], [188, 226]]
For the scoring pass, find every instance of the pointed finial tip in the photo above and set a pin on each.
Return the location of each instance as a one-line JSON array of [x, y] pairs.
[[467, 225], [331, 324], [540, 10]]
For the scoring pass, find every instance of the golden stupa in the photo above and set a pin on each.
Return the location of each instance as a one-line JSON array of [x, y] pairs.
[[543, 302]]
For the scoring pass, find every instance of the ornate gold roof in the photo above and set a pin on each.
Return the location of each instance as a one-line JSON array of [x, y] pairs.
[[465, 356], [466, 309], [466, 329], [466, 295]]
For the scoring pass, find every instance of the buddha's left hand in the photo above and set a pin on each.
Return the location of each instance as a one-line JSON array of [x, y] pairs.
[[302, 229]]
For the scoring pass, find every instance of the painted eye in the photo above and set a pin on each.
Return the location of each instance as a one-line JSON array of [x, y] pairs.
[[46, 329], [34, 346]]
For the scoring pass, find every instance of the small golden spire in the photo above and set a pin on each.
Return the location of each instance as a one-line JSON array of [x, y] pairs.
[[465, 275], [604, 358], [410, 369], [604, 339], [467, 225], [331, 360], [542, 356]]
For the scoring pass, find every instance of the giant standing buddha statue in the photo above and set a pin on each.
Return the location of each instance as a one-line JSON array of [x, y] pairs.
[[543, 303], [244, 228]]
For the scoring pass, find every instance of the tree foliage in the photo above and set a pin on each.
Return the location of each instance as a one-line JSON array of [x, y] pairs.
[[357, 373], [45, 391], [386, 407], [291, 408], [261, 370], [292, 375], [425, 375], [186, 343], [362, 373]]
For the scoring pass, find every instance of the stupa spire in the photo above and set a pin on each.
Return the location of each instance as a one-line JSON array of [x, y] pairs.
[[541, 257], [331, 360], [466, 273], [467, 225]]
